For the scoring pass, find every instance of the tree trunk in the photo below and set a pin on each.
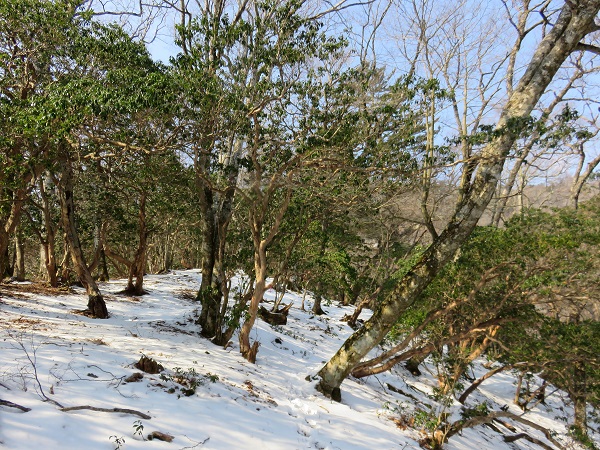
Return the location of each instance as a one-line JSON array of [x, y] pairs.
[[280, 290], [19, 269], [368, 300], [138, 266], [42, 263], [4, 258], [50, 261], [224, 334], [7, 227], [209, 294], [103, 274], [316, 309], [168, 256], [517, 398], [49, 243], [96, 305], [575, 20], [65, 268], [581, 177], [412, 365], [48, 264], [260, 270], [578, 396], [500, 207], [303, 299], [216, 215]]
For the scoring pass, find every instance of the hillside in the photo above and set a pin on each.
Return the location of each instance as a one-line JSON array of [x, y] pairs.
[[210, 398]]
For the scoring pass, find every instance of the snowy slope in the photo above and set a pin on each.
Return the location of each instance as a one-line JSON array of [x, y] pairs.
[[48, 351]]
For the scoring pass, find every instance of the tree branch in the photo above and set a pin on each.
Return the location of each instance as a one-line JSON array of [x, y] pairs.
[[458, 426], [115, 410], [339, 7], [587, 48], [14, 405]]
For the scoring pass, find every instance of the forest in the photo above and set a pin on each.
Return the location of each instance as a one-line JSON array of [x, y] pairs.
[[431, 162]]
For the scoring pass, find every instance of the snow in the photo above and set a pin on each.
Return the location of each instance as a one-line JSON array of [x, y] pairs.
[[237, 405]]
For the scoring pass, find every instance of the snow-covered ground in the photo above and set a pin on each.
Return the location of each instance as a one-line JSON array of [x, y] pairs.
[[49, 352]]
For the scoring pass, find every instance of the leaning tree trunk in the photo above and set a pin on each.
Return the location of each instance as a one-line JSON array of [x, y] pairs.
[[574, 22], [247, 350], [96, 305]]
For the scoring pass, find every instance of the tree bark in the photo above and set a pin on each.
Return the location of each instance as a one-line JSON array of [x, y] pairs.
[[257, 220], [216, 209], [48, 263], [19, 269], [65, 269], [49, 242], [578, 396], [352, 320], [138, 266], [209, 293], [260, 270], [317, 309], [576, 19], [4, 258], [96, 305], [7, 227], [103, 274]]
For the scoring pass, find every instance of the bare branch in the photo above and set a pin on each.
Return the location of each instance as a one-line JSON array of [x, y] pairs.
[[587, 48], [341, 5], [115, 410], [14, 405]]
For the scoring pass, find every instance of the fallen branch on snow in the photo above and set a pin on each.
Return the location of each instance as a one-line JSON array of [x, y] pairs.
[[115, 410], [458, 426], [14, 405], [525, 436]]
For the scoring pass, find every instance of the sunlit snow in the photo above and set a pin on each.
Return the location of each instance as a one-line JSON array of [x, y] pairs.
[[236, 405]]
